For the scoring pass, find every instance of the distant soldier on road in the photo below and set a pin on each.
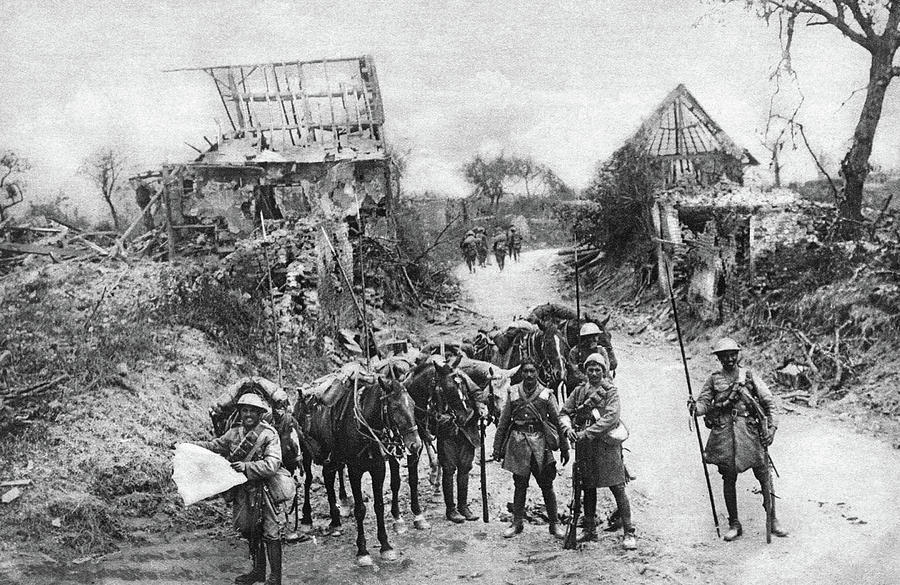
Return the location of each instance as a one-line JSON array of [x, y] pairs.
[[500, 248], [253, 448], [481, 246], [469, 247], [591, 418], [514, 241], [527, 434], [728, 402]]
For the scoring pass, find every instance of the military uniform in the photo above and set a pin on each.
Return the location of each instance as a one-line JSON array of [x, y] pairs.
[[256, 516], [500, 250], [575, 362], [527, 434], [734, 444], [457, 438], [592, 411]]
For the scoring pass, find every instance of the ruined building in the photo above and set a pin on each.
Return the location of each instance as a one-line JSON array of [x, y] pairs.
[[714, 233]]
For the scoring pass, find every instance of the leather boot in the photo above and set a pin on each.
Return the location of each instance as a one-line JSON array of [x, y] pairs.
[[734, 530], [462, 488], [550, 503], [778, 529], [453, 514], [629, 542], [589, 532], [273, 553], [258, 556], [515, 528]]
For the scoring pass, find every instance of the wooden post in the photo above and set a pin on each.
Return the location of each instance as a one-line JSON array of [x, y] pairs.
[[170, 229]]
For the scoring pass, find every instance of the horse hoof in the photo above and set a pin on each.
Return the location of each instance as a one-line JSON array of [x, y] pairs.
[[421, 523], [334, 531], [365, 561], [400, 526], [389, 555]]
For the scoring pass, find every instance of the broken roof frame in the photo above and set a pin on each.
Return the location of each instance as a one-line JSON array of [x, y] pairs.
[[679, 128], [329, 103]]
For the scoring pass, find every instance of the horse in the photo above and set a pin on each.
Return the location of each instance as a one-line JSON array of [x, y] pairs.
[[366, 423], [548, 349]]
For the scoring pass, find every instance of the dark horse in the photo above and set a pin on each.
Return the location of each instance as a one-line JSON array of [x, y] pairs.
[[548, 348], [370, 420]]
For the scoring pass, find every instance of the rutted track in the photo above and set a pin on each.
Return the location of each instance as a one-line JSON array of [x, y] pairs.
[[839, 495]]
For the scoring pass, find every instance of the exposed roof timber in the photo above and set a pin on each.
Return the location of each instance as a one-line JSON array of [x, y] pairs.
[[680, 127], [276, 63]]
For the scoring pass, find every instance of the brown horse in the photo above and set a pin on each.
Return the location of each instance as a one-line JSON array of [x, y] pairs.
[[371, 420]]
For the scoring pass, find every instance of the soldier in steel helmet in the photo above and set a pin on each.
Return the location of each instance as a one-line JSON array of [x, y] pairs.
[[588, 343], [591, 418], [728, 402], [254, 449]]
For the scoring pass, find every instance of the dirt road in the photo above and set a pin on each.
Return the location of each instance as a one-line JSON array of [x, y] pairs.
[[839, 497]]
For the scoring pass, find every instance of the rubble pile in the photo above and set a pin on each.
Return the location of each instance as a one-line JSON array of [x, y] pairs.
[[42, 240]]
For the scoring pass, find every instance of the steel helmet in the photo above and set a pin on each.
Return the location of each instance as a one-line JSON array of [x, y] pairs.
[[589, 329], [470, 233], [596, 358], [726, 344], [251, 399]]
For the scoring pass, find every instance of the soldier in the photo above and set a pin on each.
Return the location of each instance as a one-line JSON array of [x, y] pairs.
[[728, 403], [591, 421], [481, 245], [515, 243], [469, 247], [254, 450], [500, 249], [527, 434], [457, 437], [588, 343]]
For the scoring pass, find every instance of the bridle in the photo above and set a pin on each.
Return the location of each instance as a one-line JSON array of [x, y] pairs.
[[389, 437]]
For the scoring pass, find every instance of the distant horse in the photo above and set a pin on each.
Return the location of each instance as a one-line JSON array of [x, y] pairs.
[[370, 421]]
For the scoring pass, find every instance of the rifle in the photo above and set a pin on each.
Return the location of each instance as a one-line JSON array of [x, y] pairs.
[[570, 542], [687, 375], [482, 424], [763, 439]]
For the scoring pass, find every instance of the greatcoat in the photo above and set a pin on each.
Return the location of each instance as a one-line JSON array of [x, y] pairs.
[[522, 430], [734, 438], [593, 411], [250, 499]]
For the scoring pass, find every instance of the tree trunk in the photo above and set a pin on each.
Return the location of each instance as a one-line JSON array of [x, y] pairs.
[[855, 166], [112, 210]]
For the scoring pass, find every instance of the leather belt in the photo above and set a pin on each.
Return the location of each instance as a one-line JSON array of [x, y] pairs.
[[529, 427]]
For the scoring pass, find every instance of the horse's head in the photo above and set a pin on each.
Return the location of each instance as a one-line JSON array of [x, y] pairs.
[[497, 391], [399, 414], [554, 350]]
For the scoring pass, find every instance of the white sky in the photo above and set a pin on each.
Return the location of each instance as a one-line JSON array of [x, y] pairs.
[[564, 82]]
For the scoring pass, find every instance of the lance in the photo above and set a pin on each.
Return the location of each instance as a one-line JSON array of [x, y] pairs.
[[577, 285], [687, 376], [265, 247]]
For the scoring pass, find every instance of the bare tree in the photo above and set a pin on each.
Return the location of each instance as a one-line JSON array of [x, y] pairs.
[[12, 170], [105, 167], [874, 25]]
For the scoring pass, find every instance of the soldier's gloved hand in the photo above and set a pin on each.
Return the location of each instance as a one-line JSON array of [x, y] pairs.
[[692, 406], [570, 434], [564, 458], [239, 466], [497, 456]]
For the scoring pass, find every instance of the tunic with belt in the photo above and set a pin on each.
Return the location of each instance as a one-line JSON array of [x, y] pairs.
[[593, 411], [734, 442], [522, 430]]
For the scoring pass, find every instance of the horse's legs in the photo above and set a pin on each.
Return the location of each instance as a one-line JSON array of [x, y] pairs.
[[306, 519], [328, 475], [377, 475], [434, 473], [419, 520], [342, 490], [399, 522], [359, 512]]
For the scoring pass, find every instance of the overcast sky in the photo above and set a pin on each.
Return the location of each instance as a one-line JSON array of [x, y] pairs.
[[564, 82]]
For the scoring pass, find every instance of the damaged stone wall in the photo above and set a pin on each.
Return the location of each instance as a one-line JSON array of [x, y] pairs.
[[717, 240]]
